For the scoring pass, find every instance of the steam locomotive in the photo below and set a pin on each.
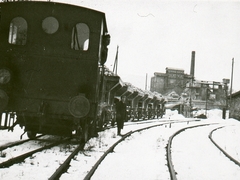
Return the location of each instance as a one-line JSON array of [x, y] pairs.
[[52, 74]]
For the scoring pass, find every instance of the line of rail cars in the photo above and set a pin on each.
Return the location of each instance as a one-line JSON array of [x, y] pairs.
[[140, 104], [52, 75]]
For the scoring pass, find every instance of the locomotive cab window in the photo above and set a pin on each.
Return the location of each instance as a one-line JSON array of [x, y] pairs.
[[80, 37], [18, 31]]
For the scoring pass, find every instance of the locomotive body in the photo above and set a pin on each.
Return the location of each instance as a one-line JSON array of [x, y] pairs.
[[52, 74], [49, 65]]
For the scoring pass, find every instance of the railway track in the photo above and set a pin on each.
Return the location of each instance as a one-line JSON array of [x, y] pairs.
[[221, 149], [111, 149], [64, 165], [174, 173], [20, 158], [8, 162], [15, 143], [168, 148]]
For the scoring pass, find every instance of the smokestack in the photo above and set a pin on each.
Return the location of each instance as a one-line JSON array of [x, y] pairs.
[[192, 64]]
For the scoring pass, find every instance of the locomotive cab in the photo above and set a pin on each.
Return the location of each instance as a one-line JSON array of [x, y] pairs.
[[49, 66]]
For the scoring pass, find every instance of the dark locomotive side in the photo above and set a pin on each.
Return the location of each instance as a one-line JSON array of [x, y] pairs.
[[52, 75], [49, 64]]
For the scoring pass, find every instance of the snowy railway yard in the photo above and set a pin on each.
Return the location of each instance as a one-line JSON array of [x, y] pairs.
[[141, 155]]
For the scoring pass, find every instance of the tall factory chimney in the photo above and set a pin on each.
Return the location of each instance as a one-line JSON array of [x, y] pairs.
[[192, 64]]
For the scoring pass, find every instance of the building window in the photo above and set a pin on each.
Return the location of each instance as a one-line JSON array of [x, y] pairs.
[[172, 81], [50, 25], [18, 31], [80, 37]]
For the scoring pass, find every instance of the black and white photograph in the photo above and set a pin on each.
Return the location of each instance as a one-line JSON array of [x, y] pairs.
[[119, 89]]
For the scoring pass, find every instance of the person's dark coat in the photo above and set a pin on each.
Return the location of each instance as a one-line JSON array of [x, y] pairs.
[[121, 114]]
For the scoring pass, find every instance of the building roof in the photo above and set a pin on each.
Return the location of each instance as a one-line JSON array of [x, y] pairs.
[[159, 74], [170, 68], [236, 94]]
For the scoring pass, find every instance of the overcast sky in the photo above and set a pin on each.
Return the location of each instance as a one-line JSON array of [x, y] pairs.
[[155, 34]]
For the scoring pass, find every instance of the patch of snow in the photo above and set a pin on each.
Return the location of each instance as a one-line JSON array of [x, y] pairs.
[[142, 155]]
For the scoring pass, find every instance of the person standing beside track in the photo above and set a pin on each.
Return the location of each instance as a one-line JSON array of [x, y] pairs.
[[121, 114]]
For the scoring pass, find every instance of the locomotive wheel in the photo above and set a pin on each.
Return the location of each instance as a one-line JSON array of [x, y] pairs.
[[31, 134]]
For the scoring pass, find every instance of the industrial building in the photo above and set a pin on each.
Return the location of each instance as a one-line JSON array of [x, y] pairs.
[[181, 88]]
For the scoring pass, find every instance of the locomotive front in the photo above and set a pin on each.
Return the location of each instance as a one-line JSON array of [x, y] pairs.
[[49, 66]]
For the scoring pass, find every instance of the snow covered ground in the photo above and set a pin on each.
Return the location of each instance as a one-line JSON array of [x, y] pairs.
[[195, 157], [142, 155]]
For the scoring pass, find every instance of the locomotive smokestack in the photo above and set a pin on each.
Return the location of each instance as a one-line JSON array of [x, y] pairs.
[[192, 64]]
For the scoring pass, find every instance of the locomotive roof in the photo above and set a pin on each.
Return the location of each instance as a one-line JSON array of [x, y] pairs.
[[41, 4], [48, 3]]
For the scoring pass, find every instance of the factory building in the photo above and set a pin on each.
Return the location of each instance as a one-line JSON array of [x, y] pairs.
[[179, 87]]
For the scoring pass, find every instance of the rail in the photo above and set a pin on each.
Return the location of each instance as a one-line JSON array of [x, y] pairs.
[[8, 145], [91, 172], [168, 148], [63, 167], [20, 158], [221, 149]]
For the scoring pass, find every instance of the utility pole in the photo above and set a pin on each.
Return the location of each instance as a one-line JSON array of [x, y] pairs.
[[231, 81], [206, 100], [225, 82], [115, 63], [192, 70], [146, 82]]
